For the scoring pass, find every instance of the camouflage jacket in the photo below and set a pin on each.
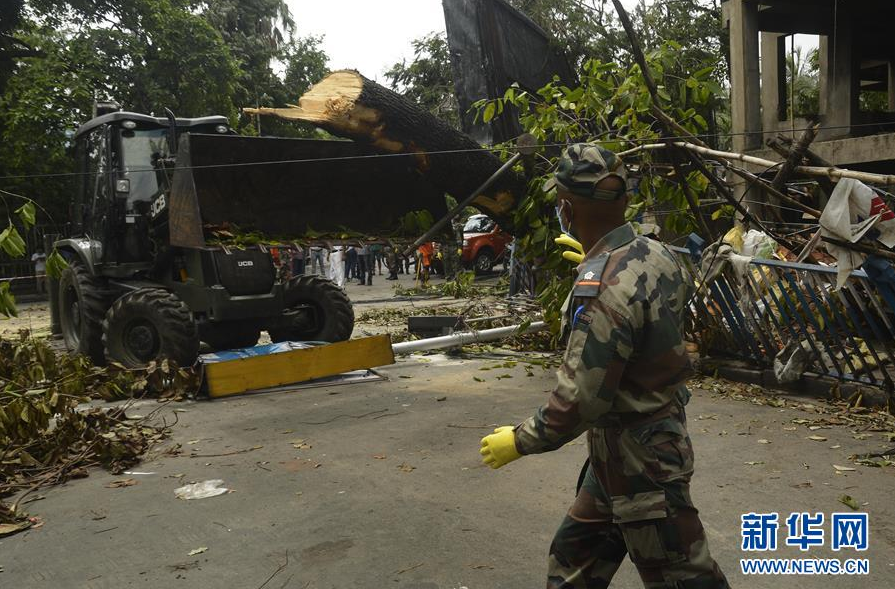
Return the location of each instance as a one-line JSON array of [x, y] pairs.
[[625, 356]]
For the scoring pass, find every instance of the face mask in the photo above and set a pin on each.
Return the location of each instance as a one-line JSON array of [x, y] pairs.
[[562, 225]]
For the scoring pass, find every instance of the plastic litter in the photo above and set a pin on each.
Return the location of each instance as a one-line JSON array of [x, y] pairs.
[[202, 490]]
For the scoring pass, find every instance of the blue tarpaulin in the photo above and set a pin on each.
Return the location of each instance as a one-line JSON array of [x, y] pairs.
[[253, 352]]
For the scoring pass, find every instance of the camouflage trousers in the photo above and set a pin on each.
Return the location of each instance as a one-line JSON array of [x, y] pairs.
[[635, 500]]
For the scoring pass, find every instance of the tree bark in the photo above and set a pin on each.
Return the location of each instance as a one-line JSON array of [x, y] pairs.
[[349, 105], [793, 161], [783, 146]]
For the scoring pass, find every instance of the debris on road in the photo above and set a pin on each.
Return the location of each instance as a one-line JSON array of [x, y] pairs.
[[10, 529], [203, 490], [848, 500], [121, 483], [197, 551], [841, 469]]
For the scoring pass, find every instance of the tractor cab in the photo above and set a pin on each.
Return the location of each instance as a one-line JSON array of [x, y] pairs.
[[125, 161]]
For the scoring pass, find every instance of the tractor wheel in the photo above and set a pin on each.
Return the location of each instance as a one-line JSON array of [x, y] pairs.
[[230, 335], [83, 300], [332, 316], [148, 324], [484, 261]]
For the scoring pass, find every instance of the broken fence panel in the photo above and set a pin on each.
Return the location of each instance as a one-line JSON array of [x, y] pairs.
[[849, 334]]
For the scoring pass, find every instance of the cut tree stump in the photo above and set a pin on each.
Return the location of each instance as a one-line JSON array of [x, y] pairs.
[[349, 105]]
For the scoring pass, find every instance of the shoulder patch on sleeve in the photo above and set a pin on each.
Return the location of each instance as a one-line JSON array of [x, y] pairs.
[[590, 278]]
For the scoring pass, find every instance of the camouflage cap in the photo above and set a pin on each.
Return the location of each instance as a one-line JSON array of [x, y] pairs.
[[583, 166]]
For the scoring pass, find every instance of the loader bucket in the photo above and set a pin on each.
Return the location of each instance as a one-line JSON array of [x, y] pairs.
[[285, 188]]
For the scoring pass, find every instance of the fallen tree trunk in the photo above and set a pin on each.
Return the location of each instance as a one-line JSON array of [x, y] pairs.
[[349, 105]]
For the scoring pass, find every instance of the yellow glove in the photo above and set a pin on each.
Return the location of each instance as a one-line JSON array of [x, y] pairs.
[[499, 448], [576, 254]]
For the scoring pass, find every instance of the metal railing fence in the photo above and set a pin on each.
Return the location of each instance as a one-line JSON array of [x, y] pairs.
[[773, 308]]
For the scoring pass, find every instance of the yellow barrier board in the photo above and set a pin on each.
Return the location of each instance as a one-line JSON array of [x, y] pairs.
[[238, 376]]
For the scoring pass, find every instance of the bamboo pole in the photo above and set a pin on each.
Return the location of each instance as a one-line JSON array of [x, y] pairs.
[[833, 173]]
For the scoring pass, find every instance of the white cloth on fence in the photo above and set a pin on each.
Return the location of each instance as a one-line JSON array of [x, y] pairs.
[[853, 210]]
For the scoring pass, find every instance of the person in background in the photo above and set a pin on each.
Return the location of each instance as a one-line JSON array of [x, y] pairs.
[[39, 259], [351, 262], [392, 262], [298, 260], [364, 265], [376, 252], [363, 255], [337, 266], [426, 253], [283, 262], [316, 254]]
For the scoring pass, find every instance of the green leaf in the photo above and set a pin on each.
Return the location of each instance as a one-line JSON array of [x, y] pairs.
[[27, 214], [56, 264], [489, 112], [704, 72], [699, 120], [7, 301], [713, 87], [12, 243]]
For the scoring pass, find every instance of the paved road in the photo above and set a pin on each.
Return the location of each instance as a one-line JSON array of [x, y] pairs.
[[390, 492]]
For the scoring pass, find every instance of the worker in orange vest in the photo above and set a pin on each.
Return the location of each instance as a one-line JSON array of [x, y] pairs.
[[426, 253]]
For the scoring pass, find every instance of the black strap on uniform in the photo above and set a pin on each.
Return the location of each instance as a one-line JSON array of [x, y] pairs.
[[581, 476]]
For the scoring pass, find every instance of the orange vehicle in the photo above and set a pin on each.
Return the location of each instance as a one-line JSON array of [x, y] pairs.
[[484, 244]]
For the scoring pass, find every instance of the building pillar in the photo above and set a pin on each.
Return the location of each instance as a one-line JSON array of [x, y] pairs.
[[891, 80], [773, 81], [745, 79], [838, 80]]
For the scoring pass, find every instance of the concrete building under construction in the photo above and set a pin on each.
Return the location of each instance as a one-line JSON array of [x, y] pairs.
[[855, 100]]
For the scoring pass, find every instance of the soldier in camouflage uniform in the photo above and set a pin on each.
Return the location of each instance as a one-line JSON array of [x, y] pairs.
[[622, 382]]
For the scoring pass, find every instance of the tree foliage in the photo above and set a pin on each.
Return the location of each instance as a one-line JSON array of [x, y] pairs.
[[195, 57], [612, 105], [802, 83], [590, 29], [428, 79]]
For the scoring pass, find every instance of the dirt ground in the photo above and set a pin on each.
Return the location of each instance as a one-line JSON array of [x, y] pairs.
[[379, 484]]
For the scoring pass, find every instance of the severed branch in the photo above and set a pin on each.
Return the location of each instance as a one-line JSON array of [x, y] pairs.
[[783, 147], [795, 157], [862, 248], [793, 160], [671, 126], [746, 175], [691, 198]]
